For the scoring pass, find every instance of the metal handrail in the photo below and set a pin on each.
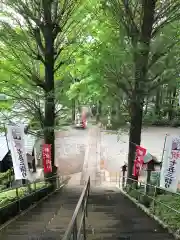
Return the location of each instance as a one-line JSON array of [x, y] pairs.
[[73, 231]]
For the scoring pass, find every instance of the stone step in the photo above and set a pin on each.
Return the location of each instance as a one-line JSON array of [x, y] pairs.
[[50, 218], [112, 216]]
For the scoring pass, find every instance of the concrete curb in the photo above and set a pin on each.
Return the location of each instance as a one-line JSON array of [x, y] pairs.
[[146, 210]]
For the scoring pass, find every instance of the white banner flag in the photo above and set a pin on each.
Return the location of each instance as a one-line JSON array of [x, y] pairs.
[[17, 146], [171, 164]]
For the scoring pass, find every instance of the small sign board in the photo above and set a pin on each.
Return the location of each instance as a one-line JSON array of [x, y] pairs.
[[155, 176]]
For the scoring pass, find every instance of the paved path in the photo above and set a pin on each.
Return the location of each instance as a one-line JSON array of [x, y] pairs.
[[92, 158], [115, 152], [70, 150]]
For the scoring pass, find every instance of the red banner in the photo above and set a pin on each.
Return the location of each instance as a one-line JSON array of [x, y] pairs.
[[139, 160], [47, 158], [84, 120]]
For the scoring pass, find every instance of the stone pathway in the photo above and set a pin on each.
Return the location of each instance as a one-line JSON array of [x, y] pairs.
[[70, 150], [91, 165]]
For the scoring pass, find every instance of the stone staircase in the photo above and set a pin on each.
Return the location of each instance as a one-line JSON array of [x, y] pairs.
[[57, 226], [110, 216], [48, 220], [113, 216]]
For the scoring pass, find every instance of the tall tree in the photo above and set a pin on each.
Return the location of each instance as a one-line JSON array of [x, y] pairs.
[[143, 22], [42, 29]]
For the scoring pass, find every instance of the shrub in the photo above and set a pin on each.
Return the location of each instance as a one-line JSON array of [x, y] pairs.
[[175, 122], [161, 122], [6, 177]]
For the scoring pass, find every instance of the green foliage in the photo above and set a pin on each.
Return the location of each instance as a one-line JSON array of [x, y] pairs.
[[9, 196], [175, 122], [6, 177]]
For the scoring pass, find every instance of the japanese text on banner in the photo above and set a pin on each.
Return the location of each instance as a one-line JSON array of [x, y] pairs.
[[138, 162], [171, 165], [47, 158]]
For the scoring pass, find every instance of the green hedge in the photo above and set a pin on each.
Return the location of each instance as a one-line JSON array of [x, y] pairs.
[[9, 196]]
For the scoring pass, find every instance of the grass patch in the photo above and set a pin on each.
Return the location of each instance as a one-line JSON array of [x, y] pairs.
[[164, 210]]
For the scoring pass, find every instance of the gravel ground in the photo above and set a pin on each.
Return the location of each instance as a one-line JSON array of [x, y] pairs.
[[115, 152], [70, 150]]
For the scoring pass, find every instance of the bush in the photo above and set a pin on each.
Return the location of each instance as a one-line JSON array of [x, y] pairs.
[[6, 177], [161, 122], [175, 122], [167, 215], [151, 119]]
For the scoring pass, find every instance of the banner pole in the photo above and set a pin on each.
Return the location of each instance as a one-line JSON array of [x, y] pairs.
[[165, 139], [5, 131]]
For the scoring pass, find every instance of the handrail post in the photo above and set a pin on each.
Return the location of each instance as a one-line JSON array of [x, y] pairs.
[[18, 199], [84, 225], [154, 199], [88, 190], [75, 230], [84, 213]]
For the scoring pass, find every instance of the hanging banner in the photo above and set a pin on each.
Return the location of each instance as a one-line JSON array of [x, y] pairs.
[[171, 165], [139, 160], [47, 158], [16, 139]]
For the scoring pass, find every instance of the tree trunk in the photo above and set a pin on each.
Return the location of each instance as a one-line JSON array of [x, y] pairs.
[[141, 57], [157, 103], [146, 107], [49, 121], [99, 111], [73, 111], [172, 95], [135, 132]]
